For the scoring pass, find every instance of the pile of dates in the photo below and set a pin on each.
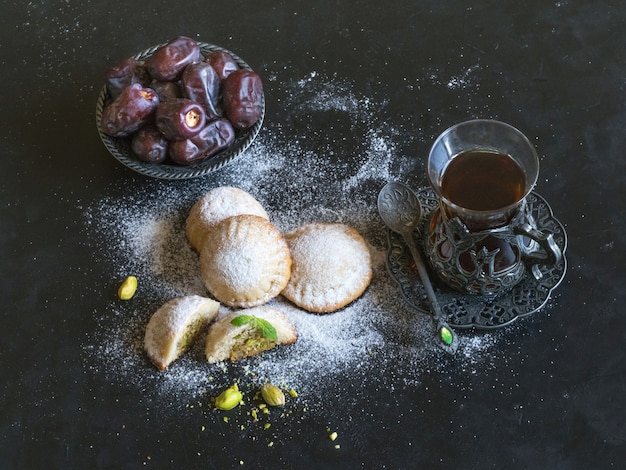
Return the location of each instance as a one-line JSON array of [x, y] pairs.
[[179, 106]]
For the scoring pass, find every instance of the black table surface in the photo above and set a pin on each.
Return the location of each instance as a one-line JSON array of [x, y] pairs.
[[549, 390]]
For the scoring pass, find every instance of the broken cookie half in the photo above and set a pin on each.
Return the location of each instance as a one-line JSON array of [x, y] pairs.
[[248, 332], [175, 325]]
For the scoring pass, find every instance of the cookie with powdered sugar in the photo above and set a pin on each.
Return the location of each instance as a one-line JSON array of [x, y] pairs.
[[216, 205], [331, 266], [245, 262], [175, 325], [228, 341]]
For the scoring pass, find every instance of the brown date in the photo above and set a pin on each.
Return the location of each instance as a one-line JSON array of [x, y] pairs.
[[201, 84], [149, 144], [179, 119], [169, 60], [129, 111], [222, 62], [166, 90], [216, 136], [242, 95], [123, 74]]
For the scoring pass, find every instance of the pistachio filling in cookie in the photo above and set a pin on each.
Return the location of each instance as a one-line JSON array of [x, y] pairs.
[[175, 325], [248, 332], [250, 343]]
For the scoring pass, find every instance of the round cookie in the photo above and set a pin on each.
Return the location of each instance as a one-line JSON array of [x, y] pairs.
[[216, 205], [331, 266], [245, 262]]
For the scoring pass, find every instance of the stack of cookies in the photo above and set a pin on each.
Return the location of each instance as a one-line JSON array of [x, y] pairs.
[[245, 262]]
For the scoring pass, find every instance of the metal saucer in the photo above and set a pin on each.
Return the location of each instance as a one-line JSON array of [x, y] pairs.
[[476, 311]]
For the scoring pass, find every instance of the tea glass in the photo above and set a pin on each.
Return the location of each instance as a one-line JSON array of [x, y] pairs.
[[485, 251]]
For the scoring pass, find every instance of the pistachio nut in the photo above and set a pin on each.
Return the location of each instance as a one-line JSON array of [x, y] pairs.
[[229, 398], [127, 288], [272, 395]]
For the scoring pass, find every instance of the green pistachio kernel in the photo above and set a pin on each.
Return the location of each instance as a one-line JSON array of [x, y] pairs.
[[229, 398], [128, 288], [272, 395]]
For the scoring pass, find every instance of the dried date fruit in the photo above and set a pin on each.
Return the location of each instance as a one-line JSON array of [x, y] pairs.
[[216, 136], [149, 144], [201, 84], [163, 104], [123, 74], [222, 62], [129, 111], [166, 90], [242, 95], [179, 119], [168, 61]]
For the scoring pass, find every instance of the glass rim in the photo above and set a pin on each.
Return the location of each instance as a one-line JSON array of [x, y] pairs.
[[530, 182]]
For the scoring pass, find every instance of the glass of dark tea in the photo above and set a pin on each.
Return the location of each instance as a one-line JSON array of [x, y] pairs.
[[482, 237]]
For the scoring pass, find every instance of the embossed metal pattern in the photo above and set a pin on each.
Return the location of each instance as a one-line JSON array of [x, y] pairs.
[[483, 277], [477, 311], [399, 207]]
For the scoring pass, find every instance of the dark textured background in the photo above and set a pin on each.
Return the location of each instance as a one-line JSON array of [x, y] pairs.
[[555, 69]]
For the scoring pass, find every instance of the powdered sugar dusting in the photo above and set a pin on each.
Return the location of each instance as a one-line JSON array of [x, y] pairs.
[[374, 339], [462, 80]]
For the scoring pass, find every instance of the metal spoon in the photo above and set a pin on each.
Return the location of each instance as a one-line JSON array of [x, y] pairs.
[[401, 211]]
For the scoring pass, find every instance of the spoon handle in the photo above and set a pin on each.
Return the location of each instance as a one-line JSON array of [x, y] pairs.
[[447, 338]]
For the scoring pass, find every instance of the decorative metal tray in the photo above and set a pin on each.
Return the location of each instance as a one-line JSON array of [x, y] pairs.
[[120, 148], [475, 311]]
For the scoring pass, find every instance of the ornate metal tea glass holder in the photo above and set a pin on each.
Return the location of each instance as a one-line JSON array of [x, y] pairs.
[[479, 248], [488, 261]]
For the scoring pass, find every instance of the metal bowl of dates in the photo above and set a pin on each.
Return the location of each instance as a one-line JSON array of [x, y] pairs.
[[121, 148]]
